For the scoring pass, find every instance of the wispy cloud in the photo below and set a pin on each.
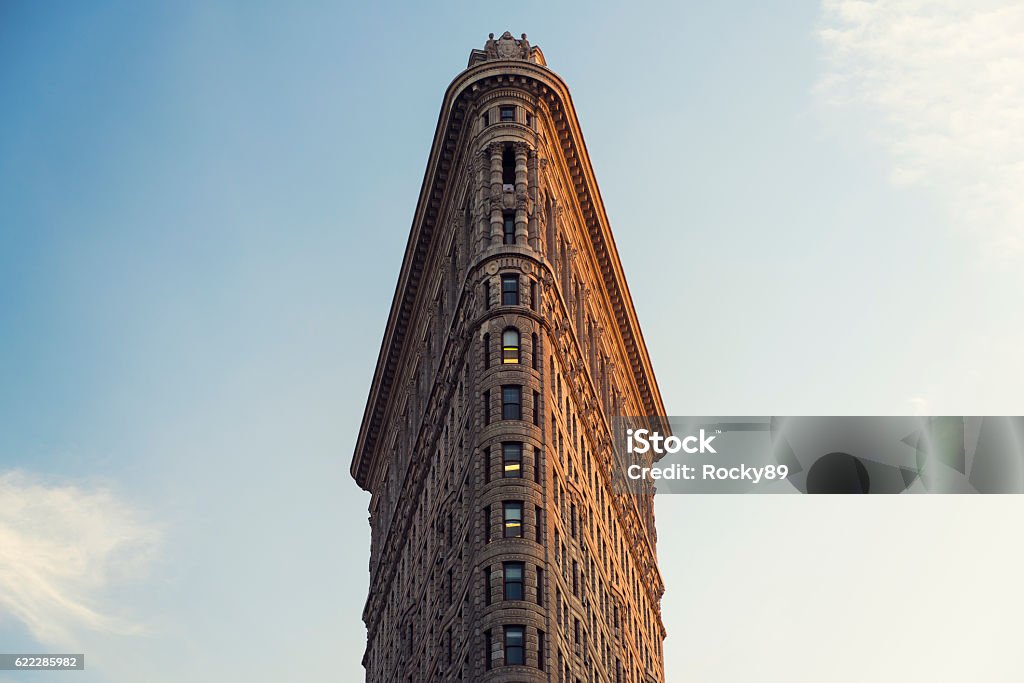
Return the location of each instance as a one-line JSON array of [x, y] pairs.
[[943, 81], [61, 548]]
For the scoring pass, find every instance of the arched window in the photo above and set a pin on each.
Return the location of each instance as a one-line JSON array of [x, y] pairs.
[[510, 345]]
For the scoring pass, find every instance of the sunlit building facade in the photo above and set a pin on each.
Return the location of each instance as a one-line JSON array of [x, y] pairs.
[[500, 551]]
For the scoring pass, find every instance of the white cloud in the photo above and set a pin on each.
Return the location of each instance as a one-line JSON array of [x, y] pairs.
[[62, 547], [944, 82]]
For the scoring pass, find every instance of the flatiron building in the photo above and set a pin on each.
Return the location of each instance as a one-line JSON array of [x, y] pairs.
[[500, 550]]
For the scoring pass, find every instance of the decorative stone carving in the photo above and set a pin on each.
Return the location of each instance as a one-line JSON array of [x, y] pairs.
[[509, 47]]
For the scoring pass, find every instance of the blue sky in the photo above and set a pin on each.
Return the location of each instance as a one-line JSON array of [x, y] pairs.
[[204, 207]]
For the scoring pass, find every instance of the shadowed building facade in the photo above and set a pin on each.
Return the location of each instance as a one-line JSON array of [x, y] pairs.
[[500, 552]]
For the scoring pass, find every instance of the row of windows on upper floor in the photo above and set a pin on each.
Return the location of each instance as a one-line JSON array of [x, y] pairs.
[[511, 404], [512, 582], [513, 653], [507, 113], [510, 291], [514, 647], [512, 461], [511, 349], [512, 523]]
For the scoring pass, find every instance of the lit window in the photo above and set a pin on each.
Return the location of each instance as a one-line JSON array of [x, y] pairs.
[[515, 652], [508, 113], [510, 346], [512, 459], [509, 290], [513, 519], [511, 402], [513, 572]]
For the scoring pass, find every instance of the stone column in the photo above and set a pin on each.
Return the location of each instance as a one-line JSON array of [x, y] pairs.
[[521, 151], [534, 205], [497, 229], [482, 214]]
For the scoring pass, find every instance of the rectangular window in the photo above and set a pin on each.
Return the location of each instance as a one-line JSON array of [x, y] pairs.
[[488, 649], [540, 586], [510, 346], [508, 168], [515, 651], [538, 464], [487, 524], [512, 459], [540, 649], [508, 113], [510, 228], [487, 350], [513, 573], [513, 519], [487, 407], [509, 290], [536, 408], [539, 523], [487, 585], [487, 465], [534, 301], [511, 402], [487, 294]]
